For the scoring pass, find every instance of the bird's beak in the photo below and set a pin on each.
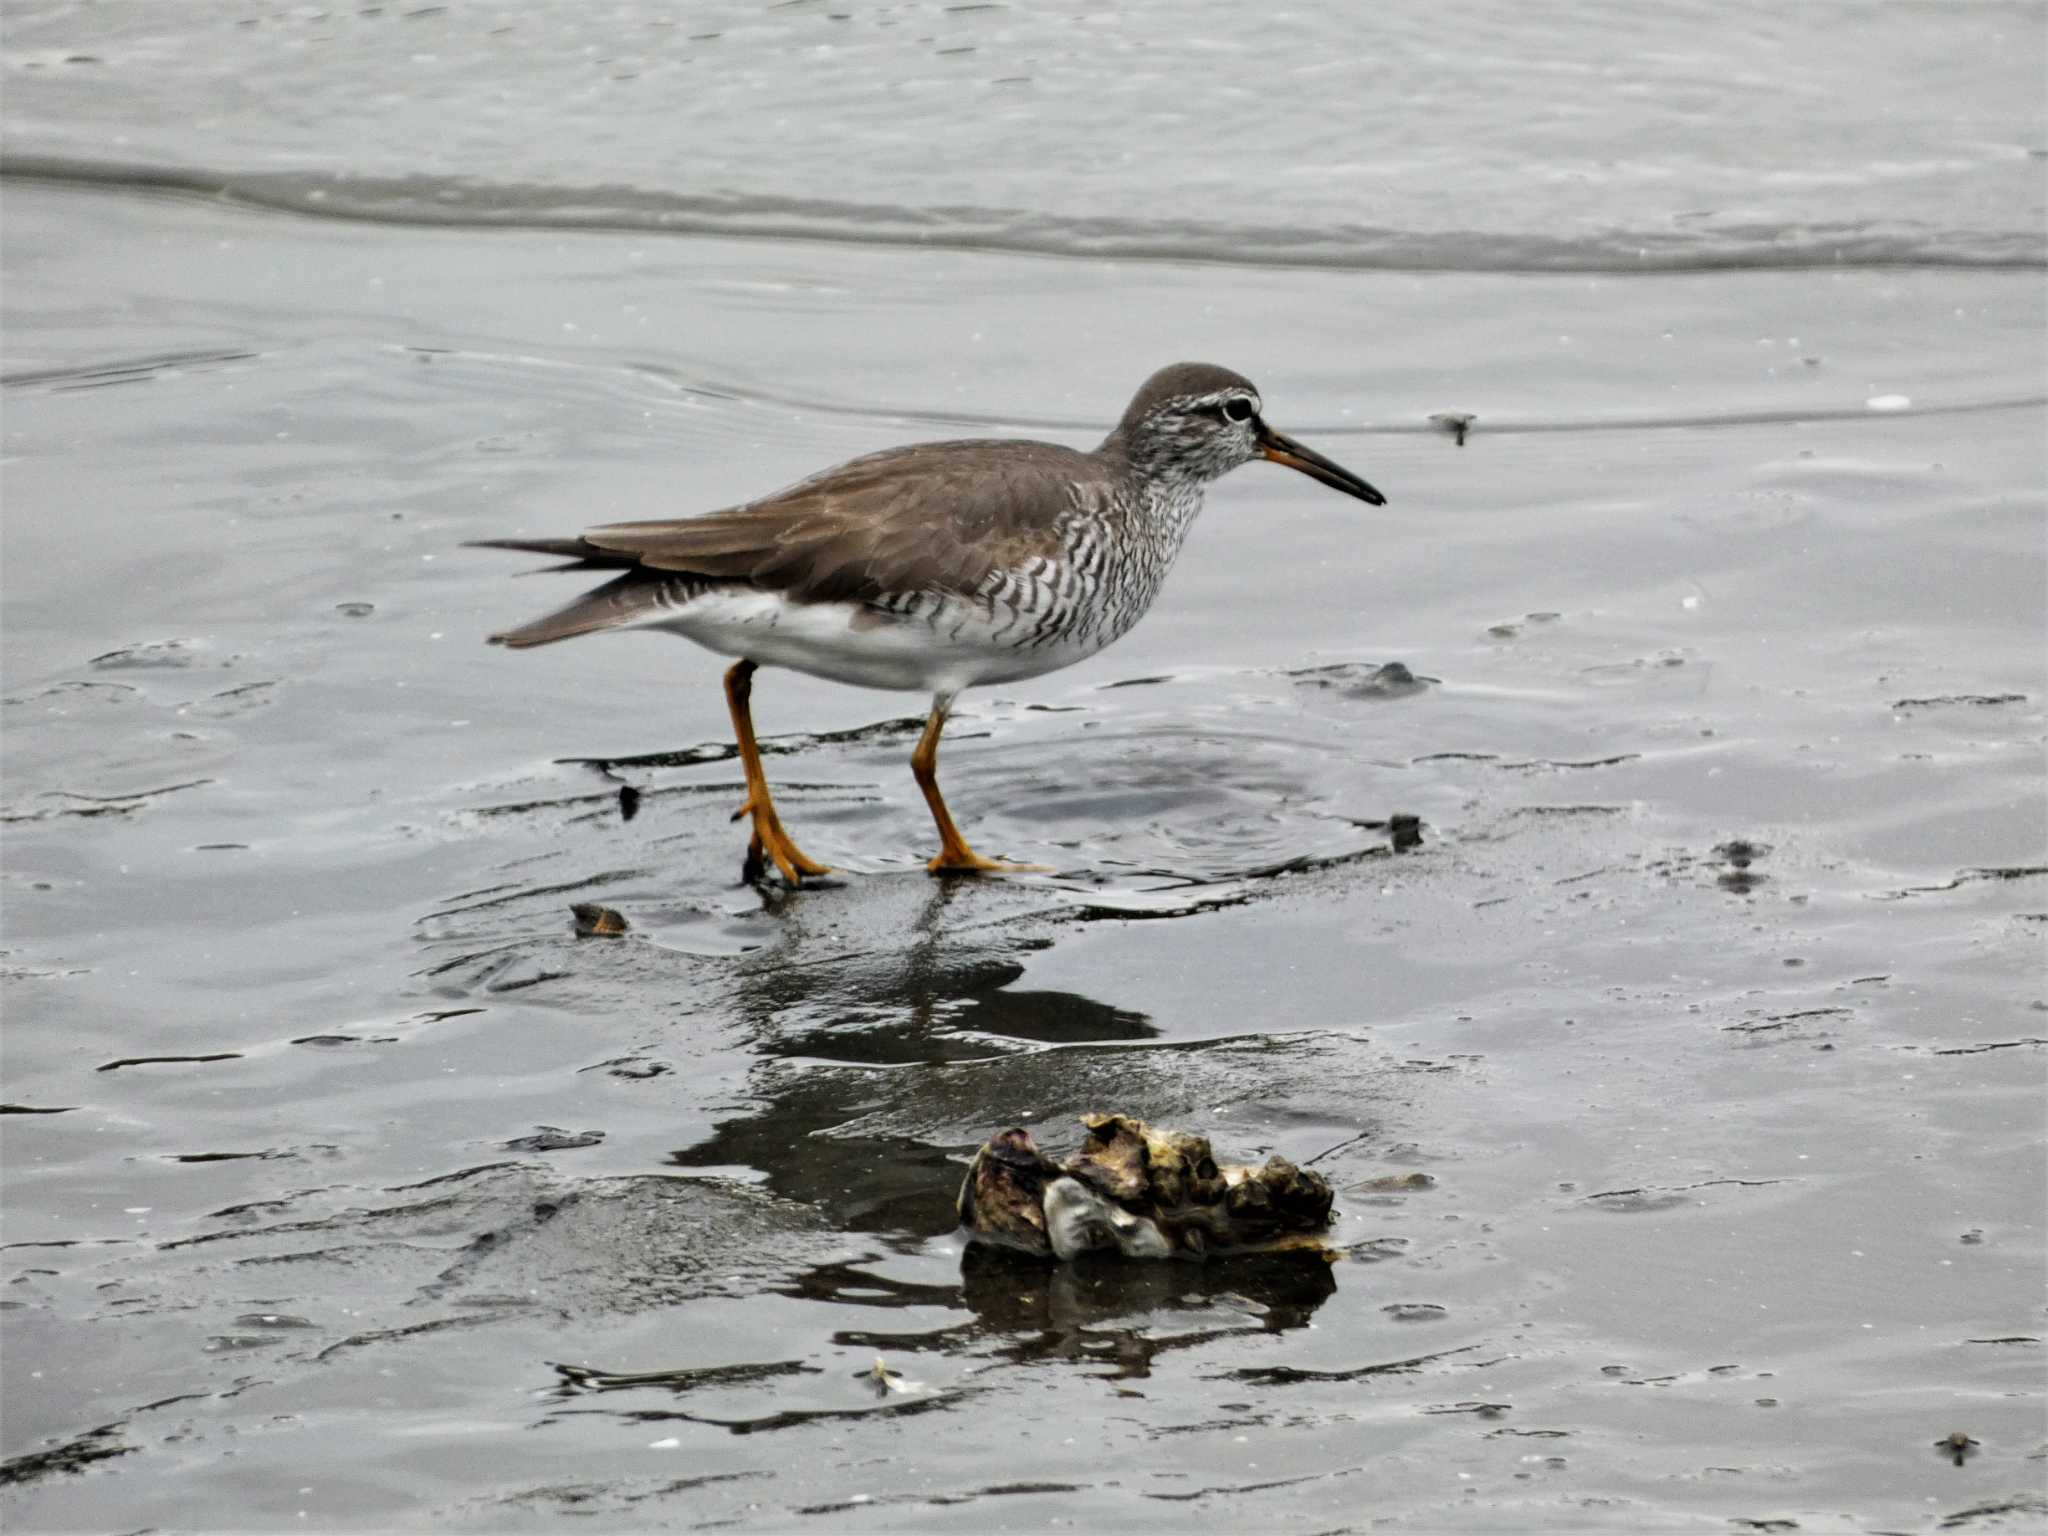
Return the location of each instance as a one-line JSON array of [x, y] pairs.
[[1282, 449]]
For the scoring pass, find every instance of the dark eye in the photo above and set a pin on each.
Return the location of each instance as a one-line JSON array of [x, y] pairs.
[[1237, 408]]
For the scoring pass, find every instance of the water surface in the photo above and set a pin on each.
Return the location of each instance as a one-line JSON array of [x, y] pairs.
[[347, 1188]]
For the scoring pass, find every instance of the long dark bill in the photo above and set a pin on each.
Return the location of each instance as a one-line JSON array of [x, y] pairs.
[[1282, 449]]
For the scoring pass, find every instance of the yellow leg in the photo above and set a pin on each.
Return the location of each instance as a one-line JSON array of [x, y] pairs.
[[954, 856], [769, 838]]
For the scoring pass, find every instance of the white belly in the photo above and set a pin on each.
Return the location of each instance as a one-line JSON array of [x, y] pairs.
[[940, 650]]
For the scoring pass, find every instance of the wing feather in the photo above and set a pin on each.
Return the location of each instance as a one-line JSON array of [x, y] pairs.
[[940, 516]]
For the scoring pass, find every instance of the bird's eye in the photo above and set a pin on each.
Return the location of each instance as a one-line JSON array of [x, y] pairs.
[[1237, 408]]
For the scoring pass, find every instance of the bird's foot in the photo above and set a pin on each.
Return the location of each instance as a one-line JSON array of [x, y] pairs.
[[771, 842]]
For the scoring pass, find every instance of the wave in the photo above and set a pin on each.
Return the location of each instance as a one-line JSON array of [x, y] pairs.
[[1702, 246]]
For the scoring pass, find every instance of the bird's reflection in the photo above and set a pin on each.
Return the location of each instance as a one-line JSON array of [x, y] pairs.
[[944, 999]]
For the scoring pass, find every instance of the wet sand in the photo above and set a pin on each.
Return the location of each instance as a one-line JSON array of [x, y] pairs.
[[1710, 1002]]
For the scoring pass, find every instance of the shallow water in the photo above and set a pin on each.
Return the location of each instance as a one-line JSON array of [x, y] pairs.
[[1710, 1002]]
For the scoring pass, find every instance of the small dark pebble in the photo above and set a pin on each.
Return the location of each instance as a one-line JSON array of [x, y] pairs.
[[1972, 1237], [355, 610], [1415, 1311], [594, 921]]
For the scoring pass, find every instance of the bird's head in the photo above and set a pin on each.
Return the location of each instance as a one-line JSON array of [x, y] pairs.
[[1197, 421]]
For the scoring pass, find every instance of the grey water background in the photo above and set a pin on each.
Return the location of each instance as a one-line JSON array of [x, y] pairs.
[[345, 1188]]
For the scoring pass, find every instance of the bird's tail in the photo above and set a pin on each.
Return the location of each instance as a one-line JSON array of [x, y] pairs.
[[616, 602], [581, 553], [632, 597]]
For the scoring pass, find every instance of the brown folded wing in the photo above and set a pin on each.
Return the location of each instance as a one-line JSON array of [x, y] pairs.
[[935, 517]]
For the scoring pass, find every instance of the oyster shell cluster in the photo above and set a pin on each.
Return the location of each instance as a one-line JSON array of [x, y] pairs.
[[1149, 1194]]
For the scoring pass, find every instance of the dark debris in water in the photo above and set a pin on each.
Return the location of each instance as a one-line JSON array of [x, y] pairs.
[[1456, 423], [1291, 1375], [1771, 1023], [2030, 1505], [1193, 1495], [552, 1138], [1957, 1446], [1234, 889], [590, 1378], [158, 1061], [1364, 680], [1540, 764], [1949, 700], [36, 1109], [636, 1067], [148, 654], [72, 1456], [100, 805], [1659, 1198], [1972, 875], [798, 1418], [414, 1330]]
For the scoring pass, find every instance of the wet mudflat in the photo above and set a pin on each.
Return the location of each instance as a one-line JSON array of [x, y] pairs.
[[1681, 1082], [1708, 1005]]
